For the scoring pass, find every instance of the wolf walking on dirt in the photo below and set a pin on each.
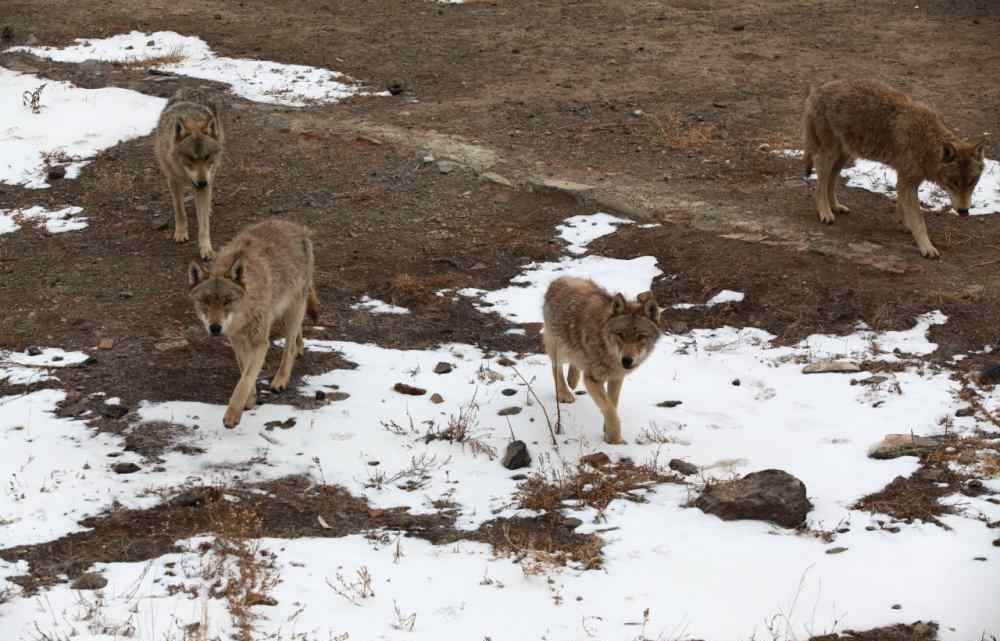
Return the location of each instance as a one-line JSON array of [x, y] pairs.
[[847, 119], [261, 282], [188, 146], [604, 337]]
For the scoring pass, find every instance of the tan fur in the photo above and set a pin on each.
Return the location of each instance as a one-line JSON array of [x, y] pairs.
[[260, 284], [597, 334], [847, 119], [188, 147]]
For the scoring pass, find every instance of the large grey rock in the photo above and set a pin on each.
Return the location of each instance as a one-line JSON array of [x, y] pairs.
[[768, 495], [827, 367], [896, 445]]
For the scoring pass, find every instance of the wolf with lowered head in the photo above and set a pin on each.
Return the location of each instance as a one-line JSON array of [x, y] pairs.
[[604, 337]]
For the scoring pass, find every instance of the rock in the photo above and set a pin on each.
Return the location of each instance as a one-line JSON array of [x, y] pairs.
[[516, 456], [572, 523], [685, 468], [739, 27], [320, 395], [509, 411], [113, 411], [89, 581], [125, 468], [554, 184], [285, 425], [837, 550], [159, 224], [34, 351], [409, 390], [830, 366], [597, 459], [106, 343], [896, 445], [443, 368], [764, 147], [496, 179], [57, 172], [996, 543], [7, 33], [445, 167], [173, 343], [396, 87], [897, 606], [437, 399], [507, 391], [333, 397], [519, 477], [990, 375], [967, 457], [769, 495], [736, 382], [965, 411], [668, 404], [503, 361]]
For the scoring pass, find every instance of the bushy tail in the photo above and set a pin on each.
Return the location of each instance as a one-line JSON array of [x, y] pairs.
[[312, 305]]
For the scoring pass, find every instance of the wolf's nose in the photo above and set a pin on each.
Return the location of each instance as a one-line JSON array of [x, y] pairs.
[[215, 329], [963, 212], [201, 184], [627, 362]]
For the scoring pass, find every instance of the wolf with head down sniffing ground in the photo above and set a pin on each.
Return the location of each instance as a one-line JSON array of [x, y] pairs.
[[847, 119], [600, 336]]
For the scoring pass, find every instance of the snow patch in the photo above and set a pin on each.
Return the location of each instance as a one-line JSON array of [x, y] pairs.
[[258, 80], [580, 231], [55, 221], [376, 306]]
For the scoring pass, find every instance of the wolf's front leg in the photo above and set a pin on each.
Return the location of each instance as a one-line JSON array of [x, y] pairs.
[[612, 426], [254, 354], [203, 208], [913, 218], [180, 215]]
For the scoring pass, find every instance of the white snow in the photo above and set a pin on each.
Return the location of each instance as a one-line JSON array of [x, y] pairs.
[[55, 221], [72, 125], [580, 231], [677, 561], [376, 306], [724, 296], [258, 80], [878, 178], [20, 368]]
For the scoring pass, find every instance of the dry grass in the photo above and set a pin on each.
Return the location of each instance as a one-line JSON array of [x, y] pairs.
[[681, 136], [406, 288], [171, 57], [463, 428], [33, 99]]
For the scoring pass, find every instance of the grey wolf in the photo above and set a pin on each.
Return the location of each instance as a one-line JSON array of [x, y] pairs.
[[188, 145], [604, 337], [847, 119], [260, 284]]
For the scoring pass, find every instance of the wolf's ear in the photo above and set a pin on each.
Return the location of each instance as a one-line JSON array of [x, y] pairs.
[[649, 307], [618, 305], [235, 272], [196, 273], [948, 153], [179, 131], [211, 128], [980, 150]]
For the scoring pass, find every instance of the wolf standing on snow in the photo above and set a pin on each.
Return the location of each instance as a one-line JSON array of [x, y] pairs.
[[604, 337], [846, 119], [188, 147], [261, 281]]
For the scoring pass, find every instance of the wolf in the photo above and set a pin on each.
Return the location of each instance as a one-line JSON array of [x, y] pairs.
[[604, 337], [847, 119], [260, 284], [188, 146]]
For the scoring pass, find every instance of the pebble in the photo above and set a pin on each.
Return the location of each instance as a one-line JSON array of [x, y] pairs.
[[509, 411], [443, 368]]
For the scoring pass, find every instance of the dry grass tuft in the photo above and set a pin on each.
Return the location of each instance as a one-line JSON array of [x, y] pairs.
[[172, 57], [681, 136]]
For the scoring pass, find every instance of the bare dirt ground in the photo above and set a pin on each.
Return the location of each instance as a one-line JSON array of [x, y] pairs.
[[660, 108]]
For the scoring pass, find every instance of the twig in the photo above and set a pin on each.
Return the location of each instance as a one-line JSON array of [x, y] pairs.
[[558, 428]]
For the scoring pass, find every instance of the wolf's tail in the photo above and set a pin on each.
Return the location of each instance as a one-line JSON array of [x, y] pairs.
[[312, 305]]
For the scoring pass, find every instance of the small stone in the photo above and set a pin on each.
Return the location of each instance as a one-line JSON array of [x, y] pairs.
[[285, 425], [57, 172], [572, 523], [125, 468], [174, 343], [503, 361], [764, 147], [831, 366], [409, 390], [739, 27], [443, 368], [507, 391], [516, 456], [396, 87], [996, 543], [990, 375], [597, 459], [895, 445], [437, 399], [7, 33], [685, 468], [106, 343], [519, 477], [34, 351], [446, 167], [967, 457], [668, 404], [979, 558], [509, 411], [965, 411], [113, 411], [150, 43], [836, 550], [254, 598], [897, 606], [89, 581], [333, 397], [736, 382], [320, 395], [497, 179]]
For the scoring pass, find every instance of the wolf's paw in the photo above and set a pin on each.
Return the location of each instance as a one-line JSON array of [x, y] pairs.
[[251, 401], [614, 439], [826, 218], [207, 253], [930, 251], [841, 209], [180, 235], [566, 397], [280, 382], [232, 417]]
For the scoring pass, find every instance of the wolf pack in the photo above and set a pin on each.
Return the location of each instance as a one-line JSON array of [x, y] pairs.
[[260, 284]]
